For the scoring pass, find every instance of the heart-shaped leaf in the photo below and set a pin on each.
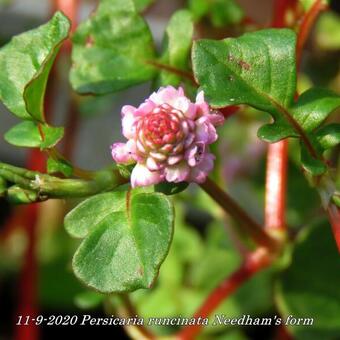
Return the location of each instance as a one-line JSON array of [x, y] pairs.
[[25, 63], [127, 237], [29, 134], [111, 48]]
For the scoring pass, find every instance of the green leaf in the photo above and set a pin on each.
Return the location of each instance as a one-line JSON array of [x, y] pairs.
[[199, 8], [3, 186], [111, 49], [257, 69], [226, 12], [25, 63], [60, 165], [309, 288], [329, 136], [27, 134], [18, 195], [177, 45], [307, 4], [328, 31], [220, 12], [141, 5], [127, 237], [313, 107], [315, 166], [168, 188], [88, 299]]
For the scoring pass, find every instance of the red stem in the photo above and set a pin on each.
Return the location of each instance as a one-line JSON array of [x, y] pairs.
[[274, 213], [252, 264], [277, 157], [174, 70], [37, 161], [280, 9], [27, 295], [306, 26], [334, 218], [276, 181], [27, 292]]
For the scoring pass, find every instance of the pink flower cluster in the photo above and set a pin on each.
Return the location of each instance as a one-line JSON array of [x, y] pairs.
[[168, 137]]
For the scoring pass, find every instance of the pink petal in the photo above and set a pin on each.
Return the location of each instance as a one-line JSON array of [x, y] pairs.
[[201, 104], [152, 165], [216, 118], [177, 173], [129, 123], [172, 160], [207, 163], [199, 173], [167, 95], [200, 98], [205, 131], [195, 154], [128, 109], [121, 153], [141, 176], [146, 107], [184, 105]]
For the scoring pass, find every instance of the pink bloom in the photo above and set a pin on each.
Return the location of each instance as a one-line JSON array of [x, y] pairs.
[[168, 137]]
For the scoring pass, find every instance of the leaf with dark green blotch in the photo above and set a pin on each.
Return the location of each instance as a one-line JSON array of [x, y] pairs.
[[127, 237], [309, 288], [111, 49], [25, 63], [329, 136], [177, 44], [60, 165], [27, 134]]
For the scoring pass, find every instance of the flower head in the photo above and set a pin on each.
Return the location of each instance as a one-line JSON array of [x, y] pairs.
[[168, 137]]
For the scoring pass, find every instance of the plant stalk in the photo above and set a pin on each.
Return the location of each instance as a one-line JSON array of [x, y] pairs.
[[253, 263], [250, 226]]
